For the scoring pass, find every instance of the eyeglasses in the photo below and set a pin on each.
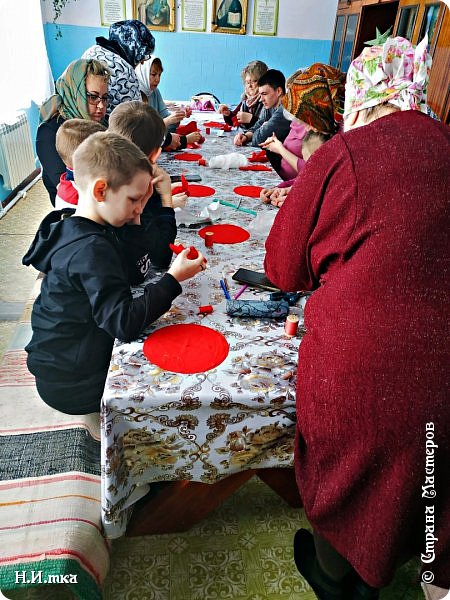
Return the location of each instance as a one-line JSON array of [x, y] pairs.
[[95, 99]]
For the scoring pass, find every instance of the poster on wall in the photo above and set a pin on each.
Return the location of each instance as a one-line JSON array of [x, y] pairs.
[[193, 15], [265, 17], [156, 14], [229, 16], [112, 11]]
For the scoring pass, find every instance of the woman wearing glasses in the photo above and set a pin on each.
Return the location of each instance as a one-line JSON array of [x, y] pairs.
[[129, 43], [81, 93]]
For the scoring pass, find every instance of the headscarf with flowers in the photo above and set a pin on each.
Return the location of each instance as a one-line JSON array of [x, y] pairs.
[[316, 96], [395, 72]]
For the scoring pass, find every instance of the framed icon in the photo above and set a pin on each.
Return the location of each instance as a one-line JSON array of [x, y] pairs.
[[229, 16], [156, 14]]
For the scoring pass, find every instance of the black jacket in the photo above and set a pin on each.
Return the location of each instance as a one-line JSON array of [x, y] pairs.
[[52, 165], [85, 300]]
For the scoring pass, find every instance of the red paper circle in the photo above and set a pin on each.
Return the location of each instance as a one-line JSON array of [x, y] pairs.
[[251, 191], [226, 234], [196, 191], [186, 348], [187, 156]]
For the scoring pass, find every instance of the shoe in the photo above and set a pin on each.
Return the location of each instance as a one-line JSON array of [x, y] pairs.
[[308, 566], [363, 591]]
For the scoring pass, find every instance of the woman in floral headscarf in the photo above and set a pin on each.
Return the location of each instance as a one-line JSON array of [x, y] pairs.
[[81, 93], [129, 43], [366, 226], [315, 97]]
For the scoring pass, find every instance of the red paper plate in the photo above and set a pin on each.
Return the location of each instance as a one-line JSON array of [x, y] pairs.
[[186, 348], [196, 191], [255, 168], [251, 191], [226, 234], [187, 156]]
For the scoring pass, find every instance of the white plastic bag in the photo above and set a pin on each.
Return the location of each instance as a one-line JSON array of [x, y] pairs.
[[233, 160]]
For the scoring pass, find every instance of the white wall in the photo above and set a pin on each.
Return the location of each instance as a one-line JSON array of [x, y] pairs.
[[301, 19]]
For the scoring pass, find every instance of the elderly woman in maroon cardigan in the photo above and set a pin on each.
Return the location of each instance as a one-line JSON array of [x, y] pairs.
[[366, 226]]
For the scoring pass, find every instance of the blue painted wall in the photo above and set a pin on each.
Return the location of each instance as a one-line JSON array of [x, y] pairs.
[[192, 62], [196, 62]]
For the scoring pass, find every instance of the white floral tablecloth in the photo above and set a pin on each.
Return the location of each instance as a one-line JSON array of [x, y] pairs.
[[163, 426]]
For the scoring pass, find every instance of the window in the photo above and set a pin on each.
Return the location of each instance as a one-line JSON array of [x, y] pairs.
[[429, 21], [407, 21], [25, 75]]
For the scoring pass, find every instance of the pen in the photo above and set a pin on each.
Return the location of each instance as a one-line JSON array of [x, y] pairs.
[[224, 289], [237, 207], [241, 291]]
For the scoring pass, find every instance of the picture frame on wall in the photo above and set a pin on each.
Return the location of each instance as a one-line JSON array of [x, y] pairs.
[[265, 17], [112, 11], [193, 15], [229, 16], [156, 14]]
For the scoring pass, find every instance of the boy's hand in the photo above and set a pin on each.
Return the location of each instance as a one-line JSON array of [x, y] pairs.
[[162, 184], [175, 143], [224, 110], [193, 137], [175, 117], [182, 268], [179, 200]]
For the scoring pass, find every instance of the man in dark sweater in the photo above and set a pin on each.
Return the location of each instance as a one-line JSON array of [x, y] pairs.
[[273, 116], [85, 300]]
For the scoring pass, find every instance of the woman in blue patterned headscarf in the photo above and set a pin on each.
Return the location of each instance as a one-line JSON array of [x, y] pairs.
[[129, 43]]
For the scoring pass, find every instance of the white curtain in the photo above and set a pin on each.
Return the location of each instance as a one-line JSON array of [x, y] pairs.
[[25, 74]]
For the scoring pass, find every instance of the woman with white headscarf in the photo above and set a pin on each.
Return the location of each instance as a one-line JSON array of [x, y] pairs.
[[149, 76], [366, 226]]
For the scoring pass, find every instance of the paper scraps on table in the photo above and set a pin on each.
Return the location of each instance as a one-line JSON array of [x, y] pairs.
[[188, 128], [255, 168], [195, 190], [187, 156], [177, 248], [217, 125], [226, 233], [186, 348], [258, 157], [250, 191]]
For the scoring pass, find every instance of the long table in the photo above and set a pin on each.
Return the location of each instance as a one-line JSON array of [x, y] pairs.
[[216, 428]]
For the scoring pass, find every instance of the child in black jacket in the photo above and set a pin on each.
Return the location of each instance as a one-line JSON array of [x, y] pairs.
[[85, 300]]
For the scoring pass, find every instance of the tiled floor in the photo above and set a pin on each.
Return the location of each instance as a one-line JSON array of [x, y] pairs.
[[17, 229]]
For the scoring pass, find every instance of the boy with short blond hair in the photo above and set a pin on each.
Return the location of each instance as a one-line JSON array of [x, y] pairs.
[[68, 137], [85, 300]]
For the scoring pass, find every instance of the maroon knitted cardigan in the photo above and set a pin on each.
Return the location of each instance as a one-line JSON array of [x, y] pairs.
[[366, 225]]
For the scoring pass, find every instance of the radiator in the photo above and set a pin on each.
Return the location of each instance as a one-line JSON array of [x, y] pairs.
[[16, 152]]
